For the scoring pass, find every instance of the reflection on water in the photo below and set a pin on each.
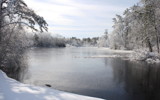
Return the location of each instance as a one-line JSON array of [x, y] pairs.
[[140, 80], [72, 70]]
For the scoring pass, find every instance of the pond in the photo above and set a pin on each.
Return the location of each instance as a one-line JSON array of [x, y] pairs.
[[79, 71]]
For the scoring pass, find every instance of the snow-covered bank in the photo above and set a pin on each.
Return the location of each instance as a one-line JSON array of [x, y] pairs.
[[136, 55], [11, 89], [142, 55]]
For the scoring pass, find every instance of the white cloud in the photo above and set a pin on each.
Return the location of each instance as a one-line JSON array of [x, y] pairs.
[[68, 13]]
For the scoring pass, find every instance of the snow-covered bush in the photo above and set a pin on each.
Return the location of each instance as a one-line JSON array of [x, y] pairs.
[[144, 55], [46, 40], [85, 42], [12, 59]]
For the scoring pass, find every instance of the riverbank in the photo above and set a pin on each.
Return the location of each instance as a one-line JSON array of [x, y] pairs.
[[11, 89], [145, 56]]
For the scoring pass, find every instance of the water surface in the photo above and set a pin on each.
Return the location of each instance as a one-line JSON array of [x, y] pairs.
[[75, 70]]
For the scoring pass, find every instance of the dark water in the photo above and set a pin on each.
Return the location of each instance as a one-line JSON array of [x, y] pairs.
[[74, 70]]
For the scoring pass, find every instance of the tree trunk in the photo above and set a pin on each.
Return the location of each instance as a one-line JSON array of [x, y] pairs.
[[157, 39], [155, 27], [149, 45], [156, 32], [0, 21]]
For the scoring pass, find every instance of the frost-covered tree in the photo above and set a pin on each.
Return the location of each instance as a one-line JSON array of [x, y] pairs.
[[151, 10], [103, 41], [118, 34], [74, 42], [147, 18], [138, 27], [15, 18], [18, 13], [46, 40]]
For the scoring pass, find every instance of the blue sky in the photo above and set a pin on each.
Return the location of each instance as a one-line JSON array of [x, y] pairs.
[[79, 18]]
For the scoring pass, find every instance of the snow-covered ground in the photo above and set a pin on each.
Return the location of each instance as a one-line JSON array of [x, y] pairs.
[[11, 89]]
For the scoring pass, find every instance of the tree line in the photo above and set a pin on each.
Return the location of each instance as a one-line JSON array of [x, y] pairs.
[[138, 27]]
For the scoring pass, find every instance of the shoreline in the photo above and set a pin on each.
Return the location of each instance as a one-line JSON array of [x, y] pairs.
[[10, 89]]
